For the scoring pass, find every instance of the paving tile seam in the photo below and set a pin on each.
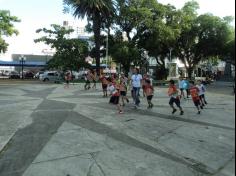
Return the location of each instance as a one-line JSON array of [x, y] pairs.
[[163, 116], [169, 117], [53, 110], [3, 154], [87, 123], [14, 173], [222, 167], [79, 155], [18, 140], [94, 157]]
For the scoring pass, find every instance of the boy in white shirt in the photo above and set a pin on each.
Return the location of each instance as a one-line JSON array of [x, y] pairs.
[[202, 90]]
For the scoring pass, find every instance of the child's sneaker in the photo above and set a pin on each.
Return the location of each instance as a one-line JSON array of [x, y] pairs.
[[174, 111], [182, 113], [199, 112], [121, 112]]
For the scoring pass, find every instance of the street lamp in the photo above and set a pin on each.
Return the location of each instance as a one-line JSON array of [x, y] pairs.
[[22, 60]]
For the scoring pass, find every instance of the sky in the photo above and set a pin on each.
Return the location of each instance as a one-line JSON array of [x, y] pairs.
[[39, 14]]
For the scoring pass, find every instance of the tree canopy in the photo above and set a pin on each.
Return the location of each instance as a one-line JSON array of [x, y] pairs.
[[96, 11], [6, 28], [70, 53]]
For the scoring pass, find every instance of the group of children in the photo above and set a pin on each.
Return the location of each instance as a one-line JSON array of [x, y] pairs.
[[118, 88], [197, 93]]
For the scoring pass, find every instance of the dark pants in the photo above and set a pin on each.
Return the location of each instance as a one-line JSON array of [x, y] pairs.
[[176, 101]]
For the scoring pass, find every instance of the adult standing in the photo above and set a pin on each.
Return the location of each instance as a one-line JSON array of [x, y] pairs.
[[186, 87], [136, 84], [181, 86]]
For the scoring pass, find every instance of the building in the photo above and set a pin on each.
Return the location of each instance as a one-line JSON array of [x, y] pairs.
[[36, 61]]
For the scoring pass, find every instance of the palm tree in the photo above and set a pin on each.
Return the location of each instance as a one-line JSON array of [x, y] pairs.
[[96, 11]]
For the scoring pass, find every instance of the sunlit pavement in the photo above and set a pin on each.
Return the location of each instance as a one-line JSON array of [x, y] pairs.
[[47, 130]]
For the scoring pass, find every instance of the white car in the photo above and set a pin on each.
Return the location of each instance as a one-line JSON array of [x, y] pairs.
[[49, 76], [38, 74]]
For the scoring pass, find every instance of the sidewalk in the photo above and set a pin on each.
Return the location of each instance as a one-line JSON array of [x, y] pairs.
[[60, 132]]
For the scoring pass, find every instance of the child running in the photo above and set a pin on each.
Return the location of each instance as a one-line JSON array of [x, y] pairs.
[[174, 97], [143, 82], [88, 79], [104, 85], [194, 92], [202, 90], [149, 92], [123, 88], [116, 95]]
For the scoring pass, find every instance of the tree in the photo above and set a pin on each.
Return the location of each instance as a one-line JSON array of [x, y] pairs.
[[230, 50], [70, 53], [123, 52], [158, 34], [202, 37], [6, 28], [95, 11]]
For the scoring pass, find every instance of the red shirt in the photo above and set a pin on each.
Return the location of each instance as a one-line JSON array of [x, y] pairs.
[[194, 93], [149, 90], [173, 92], [104, 80]]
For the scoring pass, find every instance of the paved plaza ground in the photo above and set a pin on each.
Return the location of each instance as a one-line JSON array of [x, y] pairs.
[[46, 130]]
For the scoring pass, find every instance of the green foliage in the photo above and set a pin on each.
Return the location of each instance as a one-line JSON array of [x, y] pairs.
[[201, 38], [6, 28], [70, 53], [230, 51], [125, 53], [155, 28], [97, 11]]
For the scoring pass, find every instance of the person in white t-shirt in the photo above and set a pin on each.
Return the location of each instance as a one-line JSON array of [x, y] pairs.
[[136, 85], [202, 90]]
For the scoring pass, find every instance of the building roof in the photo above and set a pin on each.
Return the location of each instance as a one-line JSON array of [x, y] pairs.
[[26, 63]]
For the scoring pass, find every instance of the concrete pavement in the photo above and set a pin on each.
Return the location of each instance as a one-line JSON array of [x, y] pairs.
[[47, 130]]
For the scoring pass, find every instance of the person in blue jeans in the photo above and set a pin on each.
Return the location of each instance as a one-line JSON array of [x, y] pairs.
[[136, 85]]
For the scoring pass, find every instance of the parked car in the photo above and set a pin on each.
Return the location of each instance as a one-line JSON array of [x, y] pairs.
[[14, 75], [50, 76], [81, 75], [38, 74], [29, 75]]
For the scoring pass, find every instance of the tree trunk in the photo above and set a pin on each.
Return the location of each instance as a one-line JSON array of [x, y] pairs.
[[97, 37], [126, 68], [190, 72]]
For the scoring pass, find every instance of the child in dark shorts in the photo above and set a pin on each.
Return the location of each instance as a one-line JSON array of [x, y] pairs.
[[116, 96], [194, 92], [174, 97], [104, 85]]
